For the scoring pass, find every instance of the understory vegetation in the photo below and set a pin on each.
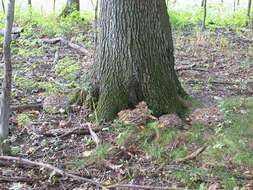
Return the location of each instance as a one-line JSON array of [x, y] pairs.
[[219, 123], [218, 16]]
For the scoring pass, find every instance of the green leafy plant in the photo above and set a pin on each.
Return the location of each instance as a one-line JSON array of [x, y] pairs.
[[67, 68], [24, 119]]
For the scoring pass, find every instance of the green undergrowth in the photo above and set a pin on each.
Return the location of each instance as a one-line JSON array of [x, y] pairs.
[[230, 142], [218, 16], [233, 141], [51, 25]]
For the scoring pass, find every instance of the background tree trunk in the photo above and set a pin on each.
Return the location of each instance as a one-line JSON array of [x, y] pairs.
[[54, 1], [248, 12], [202, 3], [30, 7], [3, 7], [5, 98], [71, 6], [204, 14], [135, 58]]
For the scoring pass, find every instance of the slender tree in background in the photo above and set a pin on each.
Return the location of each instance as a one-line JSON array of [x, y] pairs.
[[30, 7], [135, 59], [71, 6], [204, 14], [5, 97], [234, 5], [248, 12], [96, 21], [3, 7], [54, 6]]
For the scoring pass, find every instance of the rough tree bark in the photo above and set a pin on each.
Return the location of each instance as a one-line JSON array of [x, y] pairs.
[[135, 58], [5, 98], [71, 6]]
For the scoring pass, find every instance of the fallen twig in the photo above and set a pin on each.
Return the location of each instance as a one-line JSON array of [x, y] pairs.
[[50, 167], [56, 57], [93, 134], [66, 42], [128, 186], [193, 155]]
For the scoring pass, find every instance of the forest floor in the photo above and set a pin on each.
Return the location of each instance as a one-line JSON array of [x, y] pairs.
[[212, 150]]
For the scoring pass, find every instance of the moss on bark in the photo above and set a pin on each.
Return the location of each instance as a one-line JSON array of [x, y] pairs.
[[135, 58]]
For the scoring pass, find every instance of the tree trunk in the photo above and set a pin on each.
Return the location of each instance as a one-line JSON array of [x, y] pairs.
[[248, 12], [135, 58], [234, 5], [3, 7], [204, 15], [54, 6], [30, 7], [71, 6], [202, 3], [5, 98]]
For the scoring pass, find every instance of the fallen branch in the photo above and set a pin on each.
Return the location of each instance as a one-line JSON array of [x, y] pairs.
[[18, 179], [76, 177], [51, 41], [15, 30], [186, 68], [66, 42], [128, 186], [193, 155], [50, 167], [61, 132], [21, 108]]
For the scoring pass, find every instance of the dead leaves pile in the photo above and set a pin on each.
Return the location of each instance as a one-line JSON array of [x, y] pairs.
[[141, 115]]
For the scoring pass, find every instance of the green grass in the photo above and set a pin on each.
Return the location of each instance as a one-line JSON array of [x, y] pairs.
[[217, 16], [68, 69], [152, 140], [51, 25], [233, 142]]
